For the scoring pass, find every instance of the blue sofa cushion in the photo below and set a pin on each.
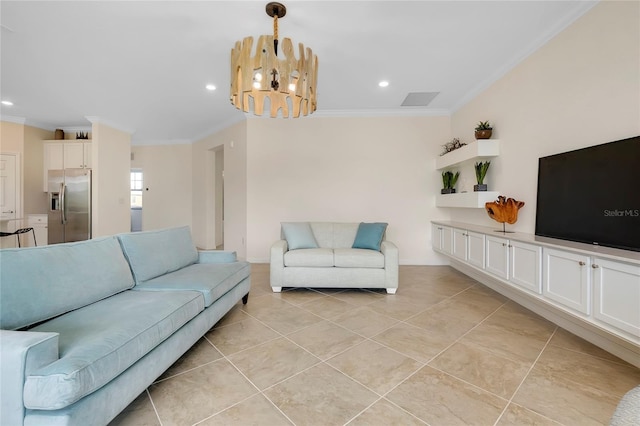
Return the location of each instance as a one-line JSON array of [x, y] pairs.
[[100, 341], [298, 235], [39, 283], [154, 253], [369, 235], [211, 279]]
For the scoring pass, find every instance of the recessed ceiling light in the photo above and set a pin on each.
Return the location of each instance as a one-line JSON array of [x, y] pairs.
[[7, 103], [383, 83], [210, 87]]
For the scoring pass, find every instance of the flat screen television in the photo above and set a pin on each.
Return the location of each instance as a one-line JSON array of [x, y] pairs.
[[592, 195]]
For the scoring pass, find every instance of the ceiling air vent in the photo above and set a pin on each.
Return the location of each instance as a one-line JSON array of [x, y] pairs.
[[419, 98]]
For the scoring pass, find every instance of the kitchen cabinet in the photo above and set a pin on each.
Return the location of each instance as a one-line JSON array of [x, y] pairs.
[[442, 239], [567, 279], [515, 261], [39, 223], [65, 155]]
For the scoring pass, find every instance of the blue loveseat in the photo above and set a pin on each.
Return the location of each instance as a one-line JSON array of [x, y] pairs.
[[87, 326]]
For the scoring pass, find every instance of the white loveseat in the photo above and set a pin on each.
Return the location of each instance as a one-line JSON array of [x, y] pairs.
[[334, 263]]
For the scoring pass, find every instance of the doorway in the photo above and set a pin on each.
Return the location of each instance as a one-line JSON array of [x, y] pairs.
[[218, 186], [136, 200]]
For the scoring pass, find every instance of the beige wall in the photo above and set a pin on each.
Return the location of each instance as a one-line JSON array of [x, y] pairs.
[[233, 140], [344, 169], [111, 161], [580, 89], [167, 176], [35, 199]]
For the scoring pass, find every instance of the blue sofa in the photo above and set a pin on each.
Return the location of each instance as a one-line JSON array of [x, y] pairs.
[[87, 326]]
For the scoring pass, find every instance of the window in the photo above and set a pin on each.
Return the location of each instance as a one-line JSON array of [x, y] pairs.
[[136, 188]]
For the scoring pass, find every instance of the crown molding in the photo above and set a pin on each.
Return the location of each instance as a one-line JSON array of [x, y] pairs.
[[13, 119], [158, 142], [98, 120], [396, 112]]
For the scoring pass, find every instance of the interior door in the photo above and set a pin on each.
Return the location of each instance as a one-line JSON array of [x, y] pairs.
[[8, 187]]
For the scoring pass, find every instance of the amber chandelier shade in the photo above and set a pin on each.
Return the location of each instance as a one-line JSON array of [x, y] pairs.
[[286, 83]]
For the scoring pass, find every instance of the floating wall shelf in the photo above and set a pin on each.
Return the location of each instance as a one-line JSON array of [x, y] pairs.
[[480, 149], [474, 200]]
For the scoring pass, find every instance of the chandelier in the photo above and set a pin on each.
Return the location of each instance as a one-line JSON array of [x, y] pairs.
[[288, 83]]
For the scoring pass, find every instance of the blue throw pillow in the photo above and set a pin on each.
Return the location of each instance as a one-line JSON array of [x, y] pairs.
[[369, 235], [299, 235]]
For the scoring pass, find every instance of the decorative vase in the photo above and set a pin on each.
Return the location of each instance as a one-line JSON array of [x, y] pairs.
[[480, 187], [483, 134], [448, 191], [59, 135]]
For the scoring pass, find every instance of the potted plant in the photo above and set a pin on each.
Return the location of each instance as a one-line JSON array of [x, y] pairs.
[[483, 130], [449, 182], [481, 172]]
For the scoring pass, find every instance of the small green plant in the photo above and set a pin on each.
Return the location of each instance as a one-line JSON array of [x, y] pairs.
[[484, 125], [449, 180], [481, 171], [452, 146]]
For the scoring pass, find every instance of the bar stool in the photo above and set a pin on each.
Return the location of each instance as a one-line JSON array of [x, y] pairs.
[[17, 234]]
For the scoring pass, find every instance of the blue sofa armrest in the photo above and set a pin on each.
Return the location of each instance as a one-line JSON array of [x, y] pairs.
[[21, 352], [216, 256]]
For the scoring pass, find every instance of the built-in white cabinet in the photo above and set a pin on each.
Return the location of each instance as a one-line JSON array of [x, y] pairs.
[[39, 223], [567, 279], [616, 294], [65, 155], [591, 291], [514, 261], [442, 238]]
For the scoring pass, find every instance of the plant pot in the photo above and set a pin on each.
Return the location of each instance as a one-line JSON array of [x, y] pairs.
[[448, 191], [483, 134], [480, 187]]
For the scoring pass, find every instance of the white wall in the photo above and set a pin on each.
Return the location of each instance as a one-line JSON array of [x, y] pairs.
[[167, 175], [111, 165], [345, 169], [580, 89]]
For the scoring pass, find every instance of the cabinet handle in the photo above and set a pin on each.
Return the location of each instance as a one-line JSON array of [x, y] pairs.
[[581, 263], [509, 245], [504, 244], [594, 266]]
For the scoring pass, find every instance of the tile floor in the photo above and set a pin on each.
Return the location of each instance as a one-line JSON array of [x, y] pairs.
[[445, 350]]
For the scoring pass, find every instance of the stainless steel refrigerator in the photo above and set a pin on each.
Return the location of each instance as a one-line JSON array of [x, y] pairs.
[[69, 205]]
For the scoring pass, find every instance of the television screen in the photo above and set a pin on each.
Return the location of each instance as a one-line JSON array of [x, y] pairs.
[[592, 195]]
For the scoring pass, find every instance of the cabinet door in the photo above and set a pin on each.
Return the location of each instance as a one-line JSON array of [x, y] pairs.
[[616, 298], [74, 155], [447, 240], [436, 237], [53, 160], [475, 249], [460, 244], [525, 265], [497, 257], [567, 279], [87, 155]]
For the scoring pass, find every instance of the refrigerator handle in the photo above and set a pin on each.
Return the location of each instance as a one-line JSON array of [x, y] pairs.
[[63, 208]]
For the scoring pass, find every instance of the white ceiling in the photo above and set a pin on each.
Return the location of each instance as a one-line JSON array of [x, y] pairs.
[[143, 65]]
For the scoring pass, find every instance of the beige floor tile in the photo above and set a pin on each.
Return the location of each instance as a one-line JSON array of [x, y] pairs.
[[519, 320], [299, 296], [479, 367], [375, 366], [264, 303], [328, 307], [201, 353], [320, 396], [440, 399], [364, 321], [586, 370], [385, 413], [199, 393], [563, 339], [287, 318], [397, 307], [503, 342], [239, 336], [436, 323], [515, 415], [564, 401], [272, 362], [236, 314], [139, 413], [469, 307], [255, 411], [359, 297], [325, 339], [414, 342]]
